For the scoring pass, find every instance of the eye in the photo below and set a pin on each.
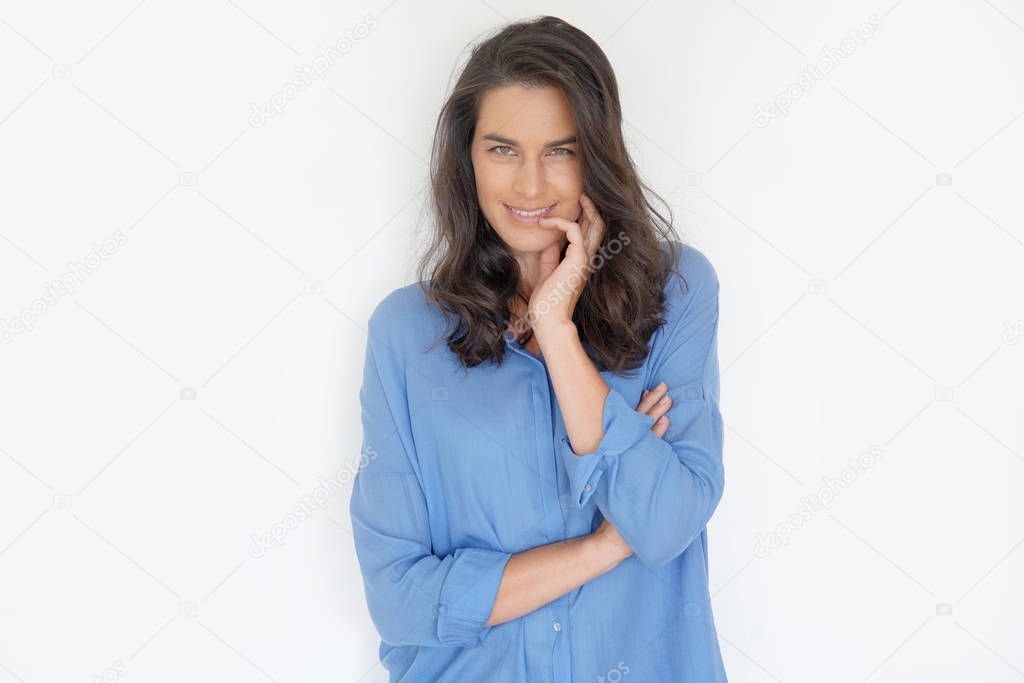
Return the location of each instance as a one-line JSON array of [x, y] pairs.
[[564, 151]]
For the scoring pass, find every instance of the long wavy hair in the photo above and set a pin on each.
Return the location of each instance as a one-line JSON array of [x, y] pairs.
[[470, 274]]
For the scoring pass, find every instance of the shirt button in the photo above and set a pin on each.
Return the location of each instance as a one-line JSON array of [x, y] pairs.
[[586, 487], [558, 626]]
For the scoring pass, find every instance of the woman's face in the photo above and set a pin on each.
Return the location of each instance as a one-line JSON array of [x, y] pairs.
[[525, 157]]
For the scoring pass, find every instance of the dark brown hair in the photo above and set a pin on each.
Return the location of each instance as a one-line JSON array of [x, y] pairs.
[[475, 276]]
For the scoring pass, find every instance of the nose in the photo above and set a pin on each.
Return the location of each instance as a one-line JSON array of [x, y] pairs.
[[530, 179]]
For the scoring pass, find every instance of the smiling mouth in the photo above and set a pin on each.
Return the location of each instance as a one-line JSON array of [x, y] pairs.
[[529, 214]]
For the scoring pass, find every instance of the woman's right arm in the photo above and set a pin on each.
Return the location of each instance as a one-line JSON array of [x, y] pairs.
[[414, 596], [535, 577]]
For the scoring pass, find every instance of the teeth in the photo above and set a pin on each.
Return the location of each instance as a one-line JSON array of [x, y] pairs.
[[528, 214]]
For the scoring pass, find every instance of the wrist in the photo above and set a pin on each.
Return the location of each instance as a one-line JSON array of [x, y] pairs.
[[548, 331], [604, 551]]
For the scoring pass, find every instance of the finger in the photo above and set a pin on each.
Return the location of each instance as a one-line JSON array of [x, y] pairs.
[[651, 397], [660, 427], [571, 230], [589, 208], [595, 224], [582, 217], [596, 236], [661, 407]]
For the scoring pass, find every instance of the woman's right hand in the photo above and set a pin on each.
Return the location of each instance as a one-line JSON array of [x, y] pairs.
[[612, 541], [651, 404]]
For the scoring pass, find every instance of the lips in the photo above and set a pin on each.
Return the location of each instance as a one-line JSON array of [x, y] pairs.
[[529, 215]]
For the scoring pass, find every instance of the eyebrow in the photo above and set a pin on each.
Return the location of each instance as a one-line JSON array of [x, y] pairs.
[[509, 141]]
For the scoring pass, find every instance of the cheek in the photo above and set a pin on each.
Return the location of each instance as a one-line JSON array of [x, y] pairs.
[[569, 180], [485, 182], [485, 177]]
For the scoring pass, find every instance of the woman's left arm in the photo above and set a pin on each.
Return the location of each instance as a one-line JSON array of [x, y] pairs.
[[658, 492]]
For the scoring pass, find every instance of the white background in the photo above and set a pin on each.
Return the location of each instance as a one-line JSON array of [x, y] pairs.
[[204, 375]]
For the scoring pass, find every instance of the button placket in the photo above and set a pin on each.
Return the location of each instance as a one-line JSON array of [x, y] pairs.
[[560, 665], [540, 387]]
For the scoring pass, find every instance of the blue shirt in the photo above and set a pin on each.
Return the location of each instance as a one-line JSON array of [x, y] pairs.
[[461, 468]]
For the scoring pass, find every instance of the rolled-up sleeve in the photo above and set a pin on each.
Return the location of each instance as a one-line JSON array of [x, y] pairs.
[[660, 492], [414, 596]]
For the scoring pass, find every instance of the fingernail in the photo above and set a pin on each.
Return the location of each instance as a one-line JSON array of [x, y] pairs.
[[664, 399]]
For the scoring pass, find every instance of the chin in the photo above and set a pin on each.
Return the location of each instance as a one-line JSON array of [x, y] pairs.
[[524, 239]]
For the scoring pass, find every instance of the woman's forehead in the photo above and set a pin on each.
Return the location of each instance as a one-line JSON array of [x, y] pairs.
[[528, 116]]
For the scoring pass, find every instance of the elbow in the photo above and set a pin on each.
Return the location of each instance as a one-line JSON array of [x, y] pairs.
[[663, 550], [399, 611], [389, 632], [391, 624], [403, 615], [656, 557], [653, 554], [433, 601], [398, 625], [681, 527]]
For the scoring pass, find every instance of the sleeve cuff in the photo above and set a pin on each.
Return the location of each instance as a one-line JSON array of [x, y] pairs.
[[468, 595], [623, 426]]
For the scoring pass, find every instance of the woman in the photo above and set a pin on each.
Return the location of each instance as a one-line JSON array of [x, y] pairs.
[[534, 493]]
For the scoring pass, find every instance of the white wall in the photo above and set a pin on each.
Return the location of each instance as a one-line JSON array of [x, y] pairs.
[[203, 375]]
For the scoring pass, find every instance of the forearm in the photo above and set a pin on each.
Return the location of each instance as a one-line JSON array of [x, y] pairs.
[[578, 385], [535, 577]]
